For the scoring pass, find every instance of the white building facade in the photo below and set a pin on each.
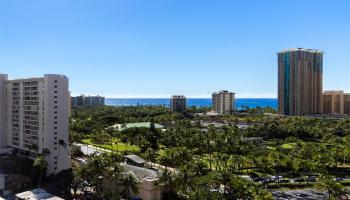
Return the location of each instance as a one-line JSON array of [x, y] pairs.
[[34, 117]]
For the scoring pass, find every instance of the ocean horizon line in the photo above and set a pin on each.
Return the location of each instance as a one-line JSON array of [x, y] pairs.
[[239, 102], [186, 98]]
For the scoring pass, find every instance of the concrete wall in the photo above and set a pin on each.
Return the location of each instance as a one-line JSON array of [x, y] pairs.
[[3, 101], [56, 122], [149, 191]]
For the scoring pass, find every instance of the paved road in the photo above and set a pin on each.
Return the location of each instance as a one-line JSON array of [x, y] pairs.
[[299, 194], [89, 149], [308, 194]]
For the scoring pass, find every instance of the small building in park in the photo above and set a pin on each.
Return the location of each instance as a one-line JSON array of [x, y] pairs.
[[134, 160]]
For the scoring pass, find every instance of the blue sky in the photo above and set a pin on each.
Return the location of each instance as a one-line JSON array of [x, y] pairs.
[[155, 48]]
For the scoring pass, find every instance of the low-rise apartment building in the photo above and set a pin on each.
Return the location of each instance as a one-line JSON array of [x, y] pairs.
[[87, 101]]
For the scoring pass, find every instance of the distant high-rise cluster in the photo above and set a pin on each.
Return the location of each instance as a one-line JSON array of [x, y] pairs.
[[178, 103], [34, 118], [87, 101], [300, 81], [223, 102]]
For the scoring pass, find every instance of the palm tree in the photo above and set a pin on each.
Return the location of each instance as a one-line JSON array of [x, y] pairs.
[[167, 181], [42, 164], [185, 180], [34, 147], [62, 143], [112, 179], [333, 188], [129, 182], [45, 152]]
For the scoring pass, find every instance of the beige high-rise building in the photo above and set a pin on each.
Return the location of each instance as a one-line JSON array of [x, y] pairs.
[[34, 117], [223, 102], [347, 103], [300, 81], [333, 102], [178, 103]]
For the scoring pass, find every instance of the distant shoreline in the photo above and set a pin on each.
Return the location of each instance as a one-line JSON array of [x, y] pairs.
[[200, 102]]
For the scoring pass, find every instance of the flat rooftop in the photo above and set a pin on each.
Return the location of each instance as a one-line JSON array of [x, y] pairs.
[[37, 194], [137, 125], [301, 49]]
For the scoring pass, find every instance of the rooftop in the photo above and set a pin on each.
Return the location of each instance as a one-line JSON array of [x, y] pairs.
[[37, 194], [178, 96], [223, 92], [136, 125], [135, 159], [301, 49], [333, 92], [142, 174]]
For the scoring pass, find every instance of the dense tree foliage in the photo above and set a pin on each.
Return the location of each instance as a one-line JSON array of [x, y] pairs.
[[211, 153]]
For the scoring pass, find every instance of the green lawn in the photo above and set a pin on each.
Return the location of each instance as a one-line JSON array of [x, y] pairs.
[[271, 148], [117, 146], [288, 145]]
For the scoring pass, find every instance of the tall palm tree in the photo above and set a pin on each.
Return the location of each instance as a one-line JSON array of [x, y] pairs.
[[129, 182], [112, 180], [333, 188], [41, 164], [185, 180], [34, 147], [62, 143], [167, 181]]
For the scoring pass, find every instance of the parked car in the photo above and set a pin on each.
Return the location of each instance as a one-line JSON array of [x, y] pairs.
[[257, 179], [276, 177], [338, 179], [311, 179], [266, 180], [245, 177], [299, 179], [282, 181]]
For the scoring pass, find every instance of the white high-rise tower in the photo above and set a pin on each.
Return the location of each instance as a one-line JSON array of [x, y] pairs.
[[34, 117]]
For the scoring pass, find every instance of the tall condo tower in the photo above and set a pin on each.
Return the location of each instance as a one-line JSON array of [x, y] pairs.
[[300, 81], [34, 118], [223, 102], [178, 103]]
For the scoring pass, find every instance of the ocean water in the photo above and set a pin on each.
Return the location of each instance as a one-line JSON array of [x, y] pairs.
[[251, 103]]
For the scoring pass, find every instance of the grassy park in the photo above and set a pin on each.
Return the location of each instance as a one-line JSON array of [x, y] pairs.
[[116, 145]]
